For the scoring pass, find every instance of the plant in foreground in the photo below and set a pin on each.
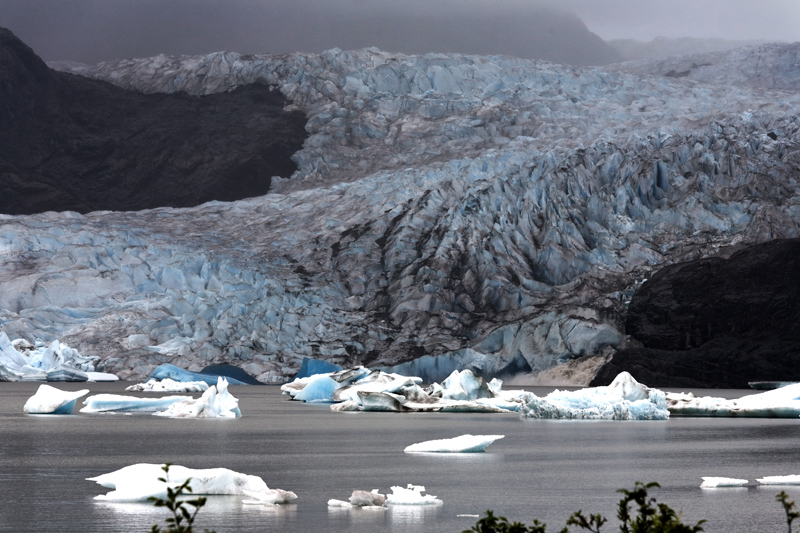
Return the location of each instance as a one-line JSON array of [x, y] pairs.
[[179, 509], [648, 516], [788, 508]]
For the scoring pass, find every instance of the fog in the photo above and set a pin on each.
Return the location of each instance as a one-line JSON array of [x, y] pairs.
[[95, 30]]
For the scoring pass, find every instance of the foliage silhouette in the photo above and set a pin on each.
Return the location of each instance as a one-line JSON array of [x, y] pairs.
[[648, 516], [179, 509]]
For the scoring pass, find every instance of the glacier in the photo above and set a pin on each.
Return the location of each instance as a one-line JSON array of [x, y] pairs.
[[449, 211], [50, 400]]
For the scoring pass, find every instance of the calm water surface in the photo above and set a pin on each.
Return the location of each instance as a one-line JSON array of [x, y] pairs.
[[541, 469]]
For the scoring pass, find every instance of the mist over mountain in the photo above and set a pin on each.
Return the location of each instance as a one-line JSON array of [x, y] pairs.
[[90, 31]]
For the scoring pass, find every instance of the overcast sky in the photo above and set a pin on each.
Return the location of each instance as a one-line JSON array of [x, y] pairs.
[[96, 30]]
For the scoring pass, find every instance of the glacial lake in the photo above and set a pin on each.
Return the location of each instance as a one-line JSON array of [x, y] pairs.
[[541, 469]]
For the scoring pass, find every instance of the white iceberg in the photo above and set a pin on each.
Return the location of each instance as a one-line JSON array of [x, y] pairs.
[[783, 402], [361, 498], [168, 385], [465, 385], [461, 444], [269, 497], [792, 479], [216, 402], [138, 482], [50, 400], [624, 399], [22, 361], [412, 495], [715, 482]]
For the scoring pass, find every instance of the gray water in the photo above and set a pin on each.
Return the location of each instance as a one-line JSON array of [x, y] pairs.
[[541, 469]]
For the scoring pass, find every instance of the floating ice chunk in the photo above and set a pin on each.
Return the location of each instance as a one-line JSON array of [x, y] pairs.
[[376, 381], [108, 403], [465, 385], [139, 482], [792, 479], [23, 361], [461, 444], [216, 402], [320, 388], [168, 385], [381, 401], [269, 497], [783, 402], [714, 482], [178, 374], [623, 399], [412, 495], [102, 376], [361, 498], [50, 400]]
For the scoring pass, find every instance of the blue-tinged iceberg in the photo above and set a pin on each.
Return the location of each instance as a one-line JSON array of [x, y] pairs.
[[118, 403], [624, 399], [461, 444], [783, 402], [169, 371], [52, 401], [138, 482]]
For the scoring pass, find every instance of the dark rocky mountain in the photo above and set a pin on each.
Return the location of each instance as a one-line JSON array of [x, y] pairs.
[[71, 143], [717, 321]]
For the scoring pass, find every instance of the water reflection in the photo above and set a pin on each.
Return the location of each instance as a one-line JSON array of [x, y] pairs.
[[413, 515]]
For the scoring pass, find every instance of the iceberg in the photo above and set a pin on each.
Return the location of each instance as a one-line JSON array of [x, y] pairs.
[[138, 482], [714, 482], [50, 400], [269, 497], [168, 385], [792, 479], [411, 495], [175, 373], [461, 444], [361, 498], [624, 399], [118, 403], [216, 402], [23, 361], [783, 402], [465, 385]]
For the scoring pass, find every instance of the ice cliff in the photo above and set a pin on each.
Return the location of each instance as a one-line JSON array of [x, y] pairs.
[[448, 212]]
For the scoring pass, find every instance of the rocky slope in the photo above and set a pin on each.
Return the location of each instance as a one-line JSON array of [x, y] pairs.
[[70, 143], [722, 320], [447, 212]]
